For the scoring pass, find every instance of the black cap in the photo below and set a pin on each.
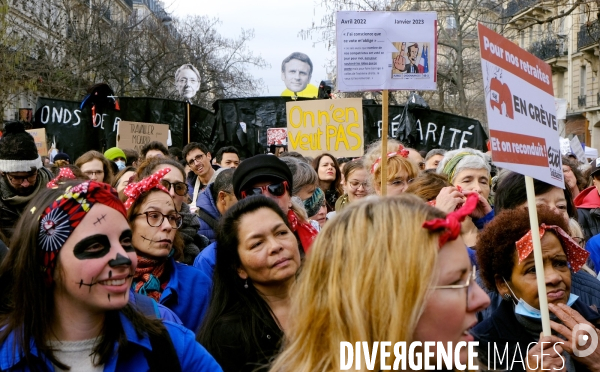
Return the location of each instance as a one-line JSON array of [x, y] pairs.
[[258, 168], [595, 166]]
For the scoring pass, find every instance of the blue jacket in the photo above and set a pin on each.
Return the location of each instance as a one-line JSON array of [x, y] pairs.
[[206, 202], [192, 356], [207, 259], [187, 294]]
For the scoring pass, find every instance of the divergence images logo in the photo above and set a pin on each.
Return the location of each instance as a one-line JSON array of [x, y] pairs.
[[500, 95], [584, 338]]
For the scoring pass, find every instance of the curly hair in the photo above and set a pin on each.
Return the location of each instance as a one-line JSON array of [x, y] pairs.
[[496, 250]]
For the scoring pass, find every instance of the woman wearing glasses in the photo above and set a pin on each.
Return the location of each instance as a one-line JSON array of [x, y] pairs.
[[257, 262], [95, 166], [504, 253], [400, 169], [355, 184], [174, 181], [154, 221], [432, 298]]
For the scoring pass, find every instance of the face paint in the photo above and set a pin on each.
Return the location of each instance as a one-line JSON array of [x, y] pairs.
[[95, 246], [119, 261], [99, 220], [96, 264], [125, 240]]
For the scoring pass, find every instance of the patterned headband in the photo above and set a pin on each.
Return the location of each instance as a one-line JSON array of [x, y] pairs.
[[64, 174], [576, 256], [451, 224], [134, 190], [400, 152], [61, 218]]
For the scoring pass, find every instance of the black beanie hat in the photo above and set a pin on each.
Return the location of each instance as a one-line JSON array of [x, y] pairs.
[[18, 152], [260, 167]]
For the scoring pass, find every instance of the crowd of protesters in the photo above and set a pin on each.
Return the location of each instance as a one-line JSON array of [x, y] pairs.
[[178, 259]]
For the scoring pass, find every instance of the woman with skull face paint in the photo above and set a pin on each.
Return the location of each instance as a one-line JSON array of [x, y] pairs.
[[154, 221], [66, 292]]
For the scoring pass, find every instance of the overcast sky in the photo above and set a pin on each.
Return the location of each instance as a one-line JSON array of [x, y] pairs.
[[276, 24]]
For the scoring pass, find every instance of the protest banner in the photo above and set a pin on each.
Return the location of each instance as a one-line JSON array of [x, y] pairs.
[[76, 133], [386, 50], [523, 128], [277, 136], [577, 149], [245, 123], [134, 135], [39, 136], [334, 126]]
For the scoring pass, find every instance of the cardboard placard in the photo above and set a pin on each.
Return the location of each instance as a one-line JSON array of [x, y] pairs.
[[134, 135], [521, 109], [334, 126], [39, 136]]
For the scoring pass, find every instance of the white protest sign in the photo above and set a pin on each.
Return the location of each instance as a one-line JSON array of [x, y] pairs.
[[565, 146], [386, 50], [520, 109], [577, 149]]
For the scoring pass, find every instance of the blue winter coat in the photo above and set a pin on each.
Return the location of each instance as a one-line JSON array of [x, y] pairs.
[[187, 294], [192, 356], [206, 202], [207, 259]]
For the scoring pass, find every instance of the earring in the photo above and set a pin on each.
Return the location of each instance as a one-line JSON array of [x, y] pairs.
[[246, 284], [506, 297]]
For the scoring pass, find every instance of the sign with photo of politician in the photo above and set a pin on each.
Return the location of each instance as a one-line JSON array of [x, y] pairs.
[[296, 72]]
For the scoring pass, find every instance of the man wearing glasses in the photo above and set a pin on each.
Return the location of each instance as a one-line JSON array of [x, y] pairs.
[[22, 174], [198, 158]]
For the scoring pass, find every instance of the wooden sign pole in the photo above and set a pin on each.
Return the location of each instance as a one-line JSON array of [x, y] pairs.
[[384, 141]]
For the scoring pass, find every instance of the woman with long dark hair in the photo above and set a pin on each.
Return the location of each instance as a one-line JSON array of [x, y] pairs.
[[257, 262], [66, 285], [330, 178]]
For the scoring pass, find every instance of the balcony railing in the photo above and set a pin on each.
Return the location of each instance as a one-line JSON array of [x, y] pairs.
[[588, 34], [581, 101], [515, 7], [548, 48]]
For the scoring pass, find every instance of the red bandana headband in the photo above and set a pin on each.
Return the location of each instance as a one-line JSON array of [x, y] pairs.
[[400, 152], [576, 255], [451, 224], [61, 218], [64, 174], [134, 190]]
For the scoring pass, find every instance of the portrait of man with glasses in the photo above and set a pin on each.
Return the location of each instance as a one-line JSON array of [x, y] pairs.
[[22, 174]]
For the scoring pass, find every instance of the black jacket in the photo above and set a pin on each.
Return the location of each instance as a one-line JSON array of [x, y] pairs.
[[10, 212], [589, 219], [235, 354], [503, 329]]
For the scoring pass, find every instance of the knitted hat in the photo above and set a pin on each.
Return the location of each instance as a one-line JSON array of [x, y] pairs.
[[18, 152], [113, 153], [260, 167], [61, 156]]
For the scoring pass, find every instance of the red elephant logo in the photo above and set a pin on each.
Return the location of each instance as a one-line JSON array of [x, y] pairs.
[[500, 94]]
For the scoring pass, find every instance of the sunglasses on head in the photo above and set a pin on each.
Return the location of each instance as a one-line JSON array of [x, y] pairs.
[[275, 189]]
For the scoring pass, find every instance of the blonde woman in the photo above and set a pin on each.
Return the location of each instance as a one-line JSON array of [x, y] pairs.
[[351, 288], [401, 170]]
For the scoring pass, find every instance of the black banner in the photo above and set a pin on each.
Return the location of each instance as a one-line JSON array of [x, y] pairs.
[[242, 123], [75, 133], [425, 129]]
